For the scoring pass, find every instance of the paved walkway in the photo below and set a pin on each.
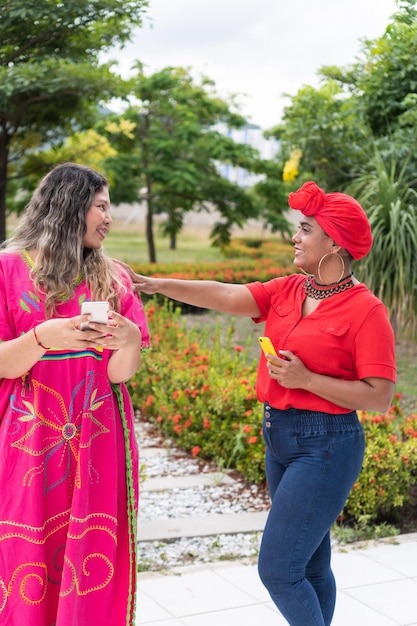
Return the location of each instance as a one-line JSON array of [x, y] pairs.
[[377, 586], [376, 581]]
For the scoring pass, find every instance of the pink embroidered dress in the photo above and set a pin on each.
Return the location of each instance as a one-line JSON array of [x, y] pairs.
[[68, 473]]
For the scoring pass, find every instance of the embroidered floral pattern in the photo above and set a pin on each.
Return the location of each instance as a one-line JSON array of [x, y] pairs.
[[55, 435]]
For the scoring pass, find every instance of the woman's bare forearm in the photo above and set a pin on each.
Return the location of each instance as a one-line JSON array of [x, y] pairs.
[[207, 294]]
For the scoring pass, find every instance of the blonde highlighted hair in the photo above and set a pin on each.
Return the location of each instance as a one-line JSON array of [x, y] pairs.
[[54, 223]]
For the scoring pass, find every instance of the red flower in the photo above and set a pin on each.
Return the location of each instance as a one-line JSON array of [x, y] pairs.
[[149, 400], [195, 451], [253, 439]]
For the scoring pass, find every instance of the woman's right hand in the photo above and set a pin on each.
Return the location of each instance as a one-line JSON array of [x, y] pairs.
[[65, 333], [145, 284]]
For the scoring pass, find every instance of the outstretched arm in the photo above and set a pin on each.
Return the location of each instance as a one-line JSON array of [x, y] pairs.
[[207, 294]]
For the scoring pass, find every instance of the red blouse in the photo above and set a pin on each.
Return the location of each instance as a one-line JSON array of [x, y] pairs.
[[348, 336]]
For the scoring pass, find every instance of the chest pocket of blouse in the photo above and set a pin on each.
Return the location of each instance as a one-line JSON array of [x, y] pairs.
[[283, 309], [334, 327]]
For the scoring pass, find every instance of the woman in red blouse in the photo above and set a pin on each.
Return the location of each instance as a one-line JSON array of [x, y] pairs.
[[336, 355]]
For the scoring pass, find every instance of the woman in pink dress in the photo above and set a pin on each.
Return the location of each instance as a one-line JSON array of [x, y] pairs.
[[68, 454]]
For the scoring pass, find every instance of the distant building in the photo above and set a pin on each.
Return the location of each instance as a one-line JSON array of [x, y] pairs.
[[252, 135]]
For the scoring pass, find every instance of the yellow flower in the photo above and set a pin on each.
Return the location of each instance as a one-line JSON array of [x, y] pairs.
[[291, 170], [125, 127]]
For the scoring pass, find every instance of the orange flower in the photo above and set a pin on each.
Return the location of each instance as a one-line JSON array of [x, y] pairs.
[[149, 400], [253, 439], [195, 451]]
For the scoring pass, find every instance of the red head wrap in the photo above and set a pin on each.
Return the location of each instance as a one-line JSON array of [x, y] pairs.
[[340, 216]]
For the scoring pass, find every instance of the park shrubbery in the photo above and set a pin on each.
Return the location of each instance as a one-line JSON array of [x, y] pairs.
[[242, 270], [197, 385]]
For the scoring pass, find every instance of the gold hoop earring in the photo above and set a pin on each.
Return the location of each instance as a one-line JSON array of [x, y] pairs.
[[306, 273], [321, 261]]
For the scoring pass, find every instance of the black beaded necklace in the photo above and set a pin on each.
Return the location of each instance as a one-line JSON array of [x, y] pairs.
[[319, 292]]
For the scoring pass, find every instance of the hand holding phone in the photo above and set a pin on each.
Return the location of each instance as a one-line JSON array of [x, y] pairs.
[[98, 311], [267, 347]]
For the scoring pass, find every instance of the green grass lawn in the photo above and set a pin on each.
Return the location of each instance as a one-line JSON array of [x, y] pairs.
[[131, 247]]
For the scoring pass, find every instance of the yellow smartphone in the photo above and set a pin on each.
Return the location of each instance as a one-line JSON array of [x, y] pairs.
[[266, 345]]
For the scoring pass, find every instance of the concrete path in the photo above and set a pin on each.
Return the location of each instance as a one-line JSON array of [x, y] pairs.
[[377, 586], [376, 581]]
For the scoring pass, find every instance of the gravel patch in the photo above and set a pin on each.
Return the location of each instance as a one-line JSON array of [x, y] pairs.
[[224, 499], [157, 555], [160, 458]]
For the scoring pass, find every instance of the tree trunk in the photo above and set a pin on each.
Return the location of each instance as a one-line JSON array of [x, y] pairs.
[[4, 156], [149, 232]]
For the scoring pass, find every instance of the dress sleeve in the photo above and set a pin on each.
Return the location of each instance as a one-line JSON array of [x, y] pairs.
[[132, 308], [6, 330]]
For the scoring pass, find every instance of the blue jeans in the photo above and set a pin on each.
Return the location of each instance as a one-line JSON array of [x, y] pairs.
[[312, 462]]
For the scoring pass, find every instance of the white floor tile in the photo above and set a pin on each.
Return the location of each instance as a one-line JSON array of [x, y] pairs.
[[243, 616], [400, 557], [190, 593], [148, 610], [247, 579], [170, 622], [351, 612], [396, 600], [355, 568]]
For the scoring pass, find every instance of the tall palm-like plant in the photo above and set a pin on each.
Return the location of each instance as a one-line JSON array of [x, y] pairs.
[[389, 198]]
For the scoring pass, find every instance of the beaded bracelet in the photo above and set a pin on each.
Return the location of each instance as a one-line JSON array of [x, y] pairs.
[[40, 344]]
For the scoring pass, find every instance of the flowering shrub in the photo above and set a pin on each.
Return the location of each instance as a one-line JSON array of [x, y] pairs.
[[198, 385], [260, 248], [386, 482], [237, 271]]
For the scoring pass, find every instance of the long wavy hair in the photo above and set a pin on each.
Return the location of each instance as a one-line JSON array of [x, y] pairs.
[[54, 223]]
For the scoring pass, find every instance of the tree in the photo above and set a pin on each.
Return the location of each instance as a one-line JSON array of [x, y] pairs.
[[389, 75], [369, 102], [328, 128], [390, 200], [169, 151], [51, 78]]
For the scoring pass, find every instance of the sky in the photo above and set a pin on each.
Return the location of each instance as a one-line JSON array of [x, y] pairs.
[[258, 49]]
